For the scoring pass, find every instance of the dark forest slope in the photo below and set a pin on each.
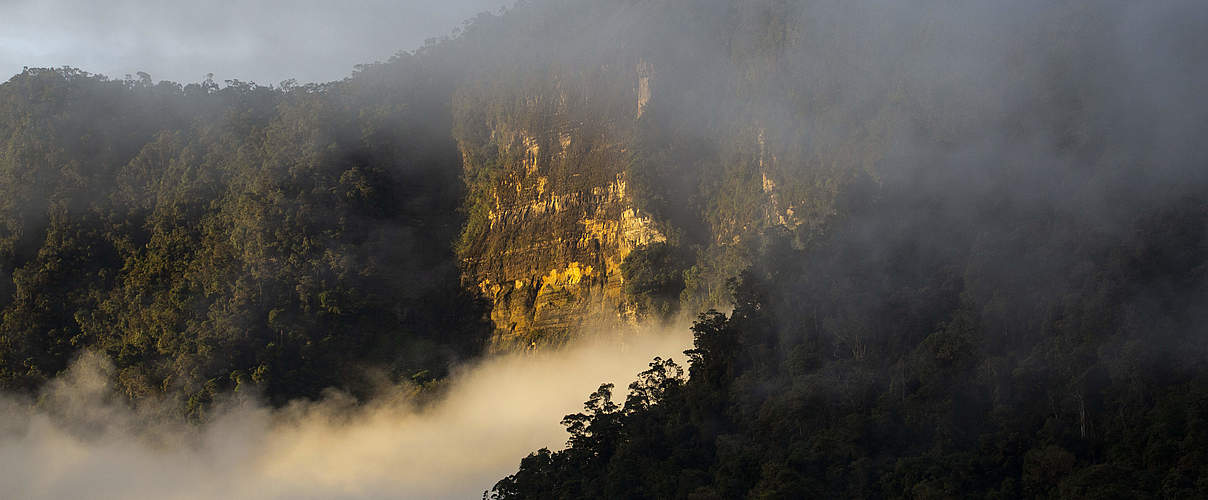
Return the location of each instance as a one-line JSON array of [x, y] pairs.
[[1000, 289], [909, 354], [206, 238], [965, 243]]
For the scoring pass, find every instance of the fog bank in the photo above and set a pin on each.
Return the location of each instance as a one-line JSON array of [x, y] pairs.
[[79, 443]]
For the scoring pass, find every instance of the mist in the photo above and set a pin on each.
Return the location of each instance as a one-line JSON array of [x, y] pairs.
[[80, 441], [264, 41], [919, 196]]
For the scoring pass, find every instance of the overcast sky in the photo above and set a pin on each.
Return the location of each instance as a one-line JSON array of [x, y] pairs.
[[265, 41]]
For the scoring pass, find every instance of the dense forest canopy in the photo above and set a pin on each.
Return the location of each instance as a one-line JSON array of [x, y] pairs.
[[963, 247], [995, 286], [208, 237]]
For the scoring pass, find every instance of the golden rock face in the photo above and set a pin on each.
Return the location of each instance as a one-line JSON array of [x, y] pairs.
[[559, 218], [566, 277]]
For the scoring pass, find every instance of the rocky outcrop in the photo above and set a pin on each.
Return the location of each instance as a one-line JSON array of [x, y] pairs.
[[557, 218], [546, 286], [560, 163]]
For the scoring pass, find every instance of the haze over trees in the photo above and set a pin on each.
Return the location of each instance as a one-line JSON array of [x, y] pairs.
[[965, 246], [206, 238], [998, 291]]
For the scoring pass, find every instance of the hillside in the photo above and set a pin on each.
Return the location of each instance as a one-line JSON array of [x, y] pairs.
[[974, 241], [508, 188], [961, 249], [208, 238]]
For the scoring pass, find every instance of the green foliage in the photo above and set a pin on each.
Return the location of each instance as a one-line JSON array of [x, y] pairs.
[[654, 279], [214, 239], [947, 382], [948, 284]]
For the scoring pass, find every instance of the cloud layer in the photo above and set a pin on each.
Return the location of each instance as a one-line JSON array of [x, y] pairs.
[[77, 443]]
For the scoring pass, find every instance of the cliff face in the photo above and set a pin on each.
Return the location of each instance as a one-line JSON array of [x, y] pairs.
[[559, 167], [552, 216], [577, 155]]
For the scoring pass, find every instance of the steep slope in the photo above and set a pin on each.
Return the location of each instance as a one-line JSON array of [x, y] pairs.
[[581, 147], [551, 213], [214, 239], [992, 283]]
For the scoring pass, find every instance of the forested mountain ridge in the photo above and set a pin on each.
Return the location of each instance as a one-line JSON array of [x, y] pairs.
[[965, 245], [929, 381], [206, 238], [615, 170], [1000, 293]]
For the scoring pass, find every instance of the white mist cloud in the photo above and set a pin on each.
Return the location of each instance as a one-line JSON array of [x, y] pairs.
[[80, 444]]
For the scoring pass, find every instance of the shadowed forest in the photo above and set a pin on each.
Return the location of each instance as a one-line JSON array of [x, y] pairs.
[[961, 250]]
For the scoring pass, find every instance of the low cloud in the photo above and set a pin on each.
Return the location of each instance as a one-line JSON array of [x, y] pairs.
[[79, 441]]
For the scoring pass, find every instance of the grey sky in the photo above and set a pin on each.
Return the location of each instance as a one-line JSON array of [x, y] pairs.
[[265, 41]]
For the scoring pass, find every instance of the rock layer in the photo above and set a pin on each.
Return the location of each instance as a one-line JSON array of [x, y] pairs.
[[557, 218]]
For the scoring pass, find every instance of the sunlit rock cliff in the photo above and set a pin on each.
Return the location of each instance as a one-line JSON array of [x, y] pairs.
[[552, 217]]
